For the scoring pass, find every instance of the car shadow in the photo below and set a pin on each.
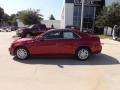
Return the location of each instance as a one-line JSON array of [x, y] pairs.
[[100, 59]]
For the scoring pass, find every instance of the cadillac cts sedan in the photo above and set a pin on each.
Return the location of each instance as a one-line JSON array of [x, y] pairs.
[[57, 42]]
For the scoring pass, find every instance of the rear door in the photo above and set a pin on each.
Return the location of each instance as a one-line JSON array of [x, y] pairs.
[[68, 43]]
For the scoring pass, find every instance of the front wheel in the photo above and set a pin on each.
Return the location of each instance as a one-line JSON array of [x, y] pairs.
[[21, 53], [83, 54]]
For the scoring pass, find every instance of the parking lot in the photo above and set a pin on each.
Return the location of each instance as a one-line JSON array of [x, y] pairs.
[[100, 72]]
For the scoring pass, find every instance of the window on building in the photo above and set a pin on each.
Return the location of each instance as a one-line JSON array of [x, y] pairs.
[[89, 15]]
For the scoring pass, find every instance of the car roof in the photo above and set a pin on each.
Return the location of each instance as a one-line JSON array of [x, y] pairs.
[[73, 30]]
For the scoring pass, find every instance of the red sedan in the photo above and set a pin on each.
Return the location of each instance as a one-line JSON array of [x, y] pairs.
[[57, 42]]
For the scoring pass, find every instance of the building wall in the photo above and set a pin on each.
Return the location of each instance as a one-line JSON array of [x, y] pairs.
[[67, 15], [69, 10], [48, 23], [62, 24], [20, 24]]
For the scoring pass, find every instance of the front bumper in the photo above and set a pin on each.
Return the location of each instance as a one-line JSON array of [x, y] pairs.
[[11, 51]]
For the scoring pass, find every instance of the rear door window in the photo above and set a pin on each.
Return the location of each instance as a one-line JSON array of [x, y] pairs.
[[69, 35]]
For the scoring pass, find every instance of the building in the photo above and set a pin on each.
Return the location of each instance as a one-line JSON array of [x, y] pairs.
[[71, 13], [20, 23], [50, 23]]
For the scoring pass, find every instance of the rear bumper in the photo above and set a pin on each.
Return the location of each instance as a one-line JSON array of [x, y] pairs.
[[97, 49]]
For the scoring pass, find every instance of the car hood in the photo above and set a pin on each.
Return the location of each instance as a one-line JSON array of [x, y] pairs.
[[25, 39]]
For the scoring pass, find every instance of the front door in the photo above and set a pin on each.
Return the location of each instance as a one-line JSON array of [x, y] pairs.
[[48, 45], [45, 47]]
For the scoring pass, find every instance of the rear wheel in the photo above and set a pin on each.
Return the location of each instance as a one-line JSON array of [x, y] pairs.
[[83, 54], [21, 53]]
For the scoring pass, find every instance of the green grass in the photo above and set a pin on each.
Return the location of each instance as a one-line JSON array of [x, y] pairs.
[[105, 36]]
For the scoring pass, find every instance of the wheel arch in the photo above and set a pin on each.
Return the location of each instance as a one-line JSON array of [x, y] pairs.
[[87, 47]]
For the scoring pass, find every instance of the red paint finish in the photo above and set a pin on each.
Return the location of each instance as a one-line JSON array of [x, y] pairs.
[[62, 45]]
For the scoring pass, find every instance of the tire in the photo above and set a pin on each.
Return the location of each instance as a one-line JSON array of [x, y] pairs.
[[83, 54], [22, 53], [28, 35]]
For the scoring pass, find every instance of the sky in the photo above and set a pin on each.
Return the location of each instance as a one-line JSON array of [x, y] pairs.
[[46, 7]]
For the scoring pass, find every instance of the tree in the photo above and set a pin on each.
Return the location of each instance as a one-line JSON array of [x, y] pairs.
[[9, 20], [5, 19], [51, 17], [1, 14], [12, 20], [29, 17], [109, 16]]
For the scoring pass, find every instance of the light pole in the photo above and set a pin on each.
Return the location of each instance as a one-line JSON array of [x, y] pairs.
[[82, 16]]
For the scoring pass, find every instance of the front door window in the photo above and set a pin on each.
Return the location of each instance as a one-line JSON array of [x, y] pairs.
[[53, 35]]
